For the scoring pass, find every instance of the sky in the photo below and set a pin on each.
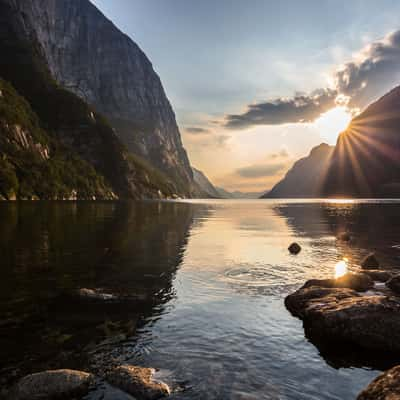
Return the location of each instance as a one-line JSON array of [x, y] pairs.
[[256, 84]]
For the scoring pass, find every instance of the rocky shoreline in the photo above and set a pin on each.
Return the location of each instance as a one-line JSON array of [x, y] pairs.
[[358, 313], [105, 374]]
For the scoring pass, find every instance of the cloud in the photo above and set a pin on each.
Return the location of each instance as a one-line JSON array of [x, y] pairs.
[[258, 171], [273, 164], [197, 131], [281, 154], [372, 72], [299, 108], [258, 176]]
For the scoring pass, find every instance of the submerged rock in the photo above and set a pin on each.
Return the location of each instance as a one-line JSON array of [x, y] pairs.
[[370, 262], [343, 315], [358, 282], [96, 294], [385, 387], [394, 284], [294, 248], [49, 385], [138, 382]]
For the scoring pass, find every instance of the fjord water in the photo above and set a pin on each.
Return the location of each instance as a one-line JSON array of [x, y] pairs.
[[209, 279]]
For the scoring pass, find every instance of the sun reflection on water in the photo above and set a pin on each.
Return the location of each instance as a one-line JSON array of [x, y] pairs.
[[341, 268]]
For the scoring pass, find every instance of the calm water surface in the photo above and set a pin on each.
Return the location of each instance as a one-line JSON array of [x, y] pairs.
[[208, 279]]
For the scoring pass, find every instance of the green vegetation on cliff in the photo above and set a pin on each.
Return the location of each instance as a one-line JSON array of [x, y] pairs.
[[35, 165]]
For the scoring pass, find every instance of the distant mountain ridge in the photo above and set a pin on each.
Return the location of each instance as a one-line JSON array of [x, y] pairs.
[[211, 191], [306, 178], [205, 184], [366, 160]]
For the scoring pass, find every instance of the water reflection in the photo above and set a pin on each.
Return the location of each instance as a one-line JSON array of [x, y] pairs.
[[202, 286], [49, 251]]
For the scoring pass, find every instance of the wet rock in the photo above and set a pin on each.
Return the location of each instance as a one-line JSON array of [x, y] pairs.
[[49, 385], [370, 262], [297, 303], [96, 294], [294, 248], [358, 282], [385, 387], [344, 236], [394, 284], [378, 275], [341, 315], [138, 382]]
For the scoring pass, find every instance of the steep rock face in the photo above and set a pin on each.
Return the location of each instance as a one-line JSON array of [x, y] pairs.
[[366, 161], [205, 185], [88, 55], [74, 128], [306, 177]]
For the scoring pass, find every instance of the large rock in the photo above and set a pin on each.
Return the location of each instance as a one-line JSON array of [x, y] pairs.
[[49, 385], [358, 282], [385, 387], [378, 275], [340, 315], [370, 262], [138, 382], [394, 284]]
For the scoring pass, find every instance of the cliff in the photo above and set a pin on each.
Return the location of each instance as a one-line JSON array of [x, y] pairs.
[[91, 57], [72, 126], [306, 178], [205, 185]]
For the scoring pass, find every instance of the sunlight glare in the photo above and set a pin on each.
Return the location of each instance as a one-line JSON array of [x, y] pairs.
[[341, 268], [332, 123]]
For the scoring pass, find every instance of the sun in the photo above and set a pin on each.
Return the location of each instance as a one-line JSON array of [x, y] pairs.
[[332, 123]]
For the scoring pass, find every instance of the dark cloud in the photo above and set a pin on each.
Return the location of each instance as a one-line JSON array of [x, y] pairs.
[[197, 131], [260, 170], [300, 108], [372, 73]]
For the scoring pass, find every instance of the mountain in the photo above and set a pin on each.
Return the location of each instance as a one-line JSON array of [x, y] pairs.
[[205, 185], [207, 189], [89, 55], [224, 194], [366, 161], [62, 62], [306, 177]]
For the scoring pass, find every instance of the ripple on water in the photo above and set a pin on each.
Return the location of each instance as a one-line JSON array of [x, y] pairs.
[[259, 280]]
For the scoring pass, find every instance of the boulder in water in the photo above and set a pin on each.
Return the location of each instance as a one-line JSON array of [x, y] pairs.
[[344, 236], [378, 275], [294, 248], [49, 385], [138, 382], [394, 284], [358, 282], [370, 262], [385, 387], [340, 315]]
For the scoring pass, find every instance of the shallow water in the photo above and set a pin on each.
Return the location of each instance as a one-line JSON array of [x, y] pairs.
[[208, 279]]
